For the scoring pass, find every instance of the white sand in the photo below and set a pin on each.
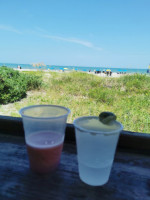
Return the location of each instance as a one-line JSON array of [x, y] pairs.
[[114, 74]]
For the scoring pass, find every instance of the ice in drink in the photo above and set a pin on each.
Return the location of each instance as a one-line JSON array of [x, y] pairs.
[[44, 150], [96, 145]]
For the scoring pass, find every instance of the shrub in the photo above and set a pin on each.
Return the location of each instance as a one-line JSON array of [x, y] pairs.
[[14, 85], [32, 81]]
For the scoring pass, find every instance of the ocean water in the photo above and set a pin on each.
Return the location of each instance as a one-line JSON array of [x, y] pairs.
[[76, 68]]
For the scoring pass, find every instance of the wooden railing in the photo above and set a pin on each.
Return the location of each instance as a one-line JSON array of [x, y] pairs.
[[128, 140]]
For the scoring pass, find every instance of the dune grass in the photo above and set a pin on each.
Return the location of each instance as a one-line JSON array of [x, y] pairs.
[[86, 94]]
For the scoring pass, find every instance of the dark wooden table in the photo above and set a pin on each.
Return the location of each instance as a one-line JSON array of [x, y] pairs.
[[129, 180]]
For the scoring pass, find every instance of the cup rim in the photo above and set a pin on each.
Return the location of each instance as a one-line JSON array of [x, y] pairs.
[[44, 105], [94, 131]]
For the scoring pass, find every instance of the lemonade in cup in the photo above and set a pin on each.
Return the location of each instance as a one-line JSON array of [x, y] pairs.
[[96, 146]]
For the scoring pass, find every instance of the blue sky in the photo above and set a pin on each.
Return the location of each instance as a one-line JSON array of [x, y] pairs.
[[108, 33]]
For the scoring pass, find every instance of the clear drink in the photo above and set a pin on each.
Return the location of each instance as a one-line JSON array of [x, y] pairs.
[[96, 145]]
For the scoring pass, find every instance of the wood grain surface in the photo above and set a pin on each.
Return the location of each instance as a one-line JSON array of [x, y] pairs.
[[129, 180]]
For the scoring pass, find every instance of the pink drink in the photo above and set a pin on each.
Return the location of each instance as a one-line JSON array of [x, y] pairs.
[[44, 150]]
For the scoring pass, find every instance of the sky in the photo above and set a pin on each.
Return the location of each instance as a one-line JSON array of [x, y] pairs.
[[108, 33]]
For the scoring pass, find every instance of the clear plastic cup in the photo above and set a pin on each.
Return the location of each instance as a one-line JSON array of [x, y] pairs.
[[96, 145], [44, 127]]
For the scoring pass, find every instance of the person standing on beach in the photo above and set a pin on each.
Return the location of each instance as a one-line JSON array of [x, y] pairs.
[[19, 67]]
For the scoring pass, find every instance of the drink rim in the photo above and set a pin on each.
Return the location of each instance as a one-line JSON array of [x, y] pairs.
[[94, 131], [53, 117]]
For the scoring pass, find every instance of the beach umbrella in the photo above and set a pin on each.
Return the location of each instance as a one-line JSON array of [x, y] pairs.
[[108, 70]]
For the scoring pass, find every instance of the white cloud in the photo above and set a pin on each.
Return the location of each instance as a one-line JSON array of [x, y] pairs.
[[9, 28], [38, 30], [73, 40]]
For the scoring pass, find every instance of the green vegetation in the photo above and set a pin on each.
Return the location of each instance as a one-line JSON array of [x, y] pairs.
[[14, 85], [86, 94]]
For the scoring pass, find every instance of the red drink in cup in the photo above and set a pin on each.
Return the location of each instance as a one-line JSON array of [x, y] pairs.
[[44, 150], [44, 127]]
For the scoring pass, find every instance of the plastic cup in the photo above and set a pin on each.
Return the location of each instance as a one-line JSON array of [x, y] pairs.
[[96, 146], [44, 127]]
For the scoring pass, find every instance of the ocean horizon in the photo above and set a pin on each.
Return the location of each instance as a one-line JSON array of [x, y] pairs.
[[76, 68]]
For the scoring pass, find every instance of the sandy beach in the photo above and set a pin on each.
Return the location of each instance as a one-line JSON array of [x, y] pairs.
[[113, 75]]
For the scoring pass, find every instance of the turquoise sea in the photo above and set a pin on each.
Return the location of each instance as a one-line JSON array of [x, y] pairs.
[[76, 68]]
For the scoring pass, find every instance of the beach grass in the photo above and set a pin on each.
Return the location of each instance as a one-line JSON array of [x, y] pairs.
[[87, 94]]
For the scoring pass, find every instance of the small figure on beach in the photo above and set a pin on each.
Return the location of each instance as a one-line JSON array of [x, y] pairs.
[[19, 67], [148, 70], [107, 73]]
